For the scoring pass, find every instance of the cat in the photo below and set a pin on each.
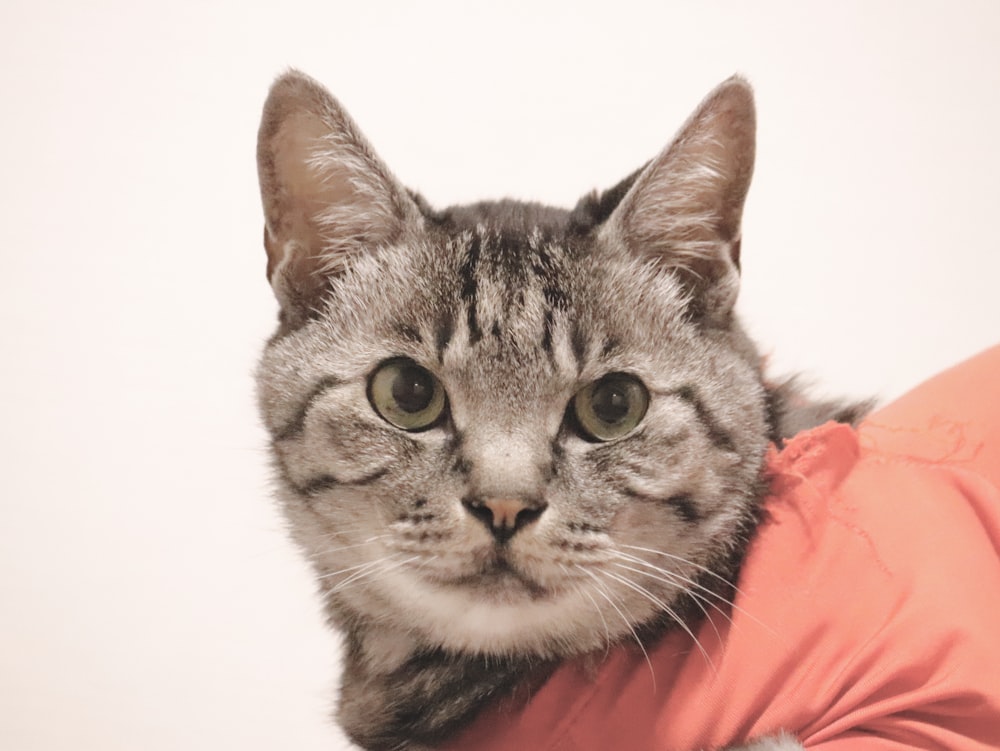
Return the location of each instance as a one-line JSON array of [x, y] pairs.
[[476, 412]]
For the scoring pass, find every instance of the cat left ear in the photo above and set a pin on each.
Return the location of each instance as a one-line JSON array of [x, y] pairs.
[[684, 209], [327, 196]]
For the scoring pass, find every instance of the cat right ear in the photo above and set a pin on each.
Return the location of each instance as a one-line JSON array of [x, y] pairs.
[[327, 197], [683, 210]]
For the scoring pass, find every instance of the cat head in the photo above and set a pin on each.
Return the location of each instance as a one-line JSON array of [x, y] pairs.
[[506, 428]]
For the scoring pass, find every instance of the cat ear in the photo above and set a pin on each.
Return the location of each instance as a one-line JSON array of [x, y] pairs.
[[684, 208], [327, 196]]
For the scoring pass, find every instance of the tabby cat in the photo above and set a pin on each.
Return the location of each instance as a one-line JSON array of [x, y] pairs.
[[477, 412]]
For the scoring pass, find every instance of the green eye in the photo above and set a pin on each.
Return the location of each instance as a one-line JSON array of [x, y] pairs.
[[406, 395], [611, 407]]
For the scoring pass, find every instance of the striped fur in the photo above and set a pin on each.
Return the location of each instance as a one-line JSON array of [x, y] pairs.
[[514, 308]]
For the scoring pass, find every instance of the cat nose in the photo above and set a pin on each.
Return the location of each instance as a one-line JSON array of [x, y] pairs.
[[504, 517]]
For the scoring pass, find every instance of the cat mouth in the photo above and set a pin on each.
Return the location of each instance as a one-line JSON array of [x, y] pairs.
[[498, 579]]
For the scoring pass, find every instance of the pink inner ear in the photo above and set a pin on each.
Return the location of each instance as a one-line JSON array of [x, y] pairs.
[[327, 197], [692, 194], [289, 193], [330, 201], [684, 210], [295, 146]]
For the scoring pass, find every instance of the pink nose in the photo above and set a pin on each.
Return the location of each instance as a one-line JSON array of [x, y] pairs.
[[505, 511], [505, 516]]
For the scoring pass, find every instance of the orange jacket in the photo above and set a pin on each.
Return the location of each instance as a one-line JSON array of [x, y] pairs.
[[868, 616]]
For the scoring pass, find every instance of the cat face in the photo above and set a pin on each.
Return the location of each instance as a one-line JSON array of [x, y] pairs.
[[506, 428]]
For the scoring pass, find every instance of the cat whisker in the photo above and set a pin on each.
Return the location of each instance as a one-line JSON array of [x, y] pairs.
[[327, 551], [665, 609], [691, 591], [357, 568], [345, 570], [601, 590], [350, 532], [686, 562], [607, 631], [691, 586], [710, 572], [423, 560], [376, 567]]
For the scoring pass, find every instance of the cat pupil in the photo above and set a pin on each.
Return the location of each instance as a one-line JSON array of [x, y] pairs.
[[610, 403], [412, 389]]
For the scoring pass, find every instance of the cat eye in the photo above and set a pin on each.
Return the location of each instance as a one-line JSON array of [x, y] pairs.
[[406, 395], [610, 407]]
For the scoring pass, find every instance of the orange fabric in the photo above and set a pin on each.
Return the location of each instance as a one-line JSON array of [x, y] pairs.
[[868, 616]]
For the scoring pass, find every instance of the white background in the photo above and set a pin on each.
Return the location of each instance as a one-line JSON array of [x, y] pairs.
[[149, 597]]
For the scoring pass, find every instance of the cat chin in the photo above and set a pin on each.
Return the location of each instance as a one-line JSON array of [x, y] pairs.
[[507, 619]]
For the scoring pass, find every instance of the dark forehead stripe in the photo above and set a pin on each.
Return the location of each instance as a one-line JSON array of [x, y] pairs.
[[716, 434], [548, 269], [578, 342], [442, 333], [297, 423], [510, 260], [409, 333], [470, 285], [514, 245]]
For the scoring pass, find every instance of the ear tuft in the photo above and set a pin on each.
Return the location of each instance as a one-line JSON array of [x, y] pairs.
[[684, 209], [327, 197]]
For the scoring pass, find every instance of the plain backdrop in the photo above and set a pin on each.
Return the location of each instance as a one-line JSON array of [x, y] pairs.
[[149, 598]]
